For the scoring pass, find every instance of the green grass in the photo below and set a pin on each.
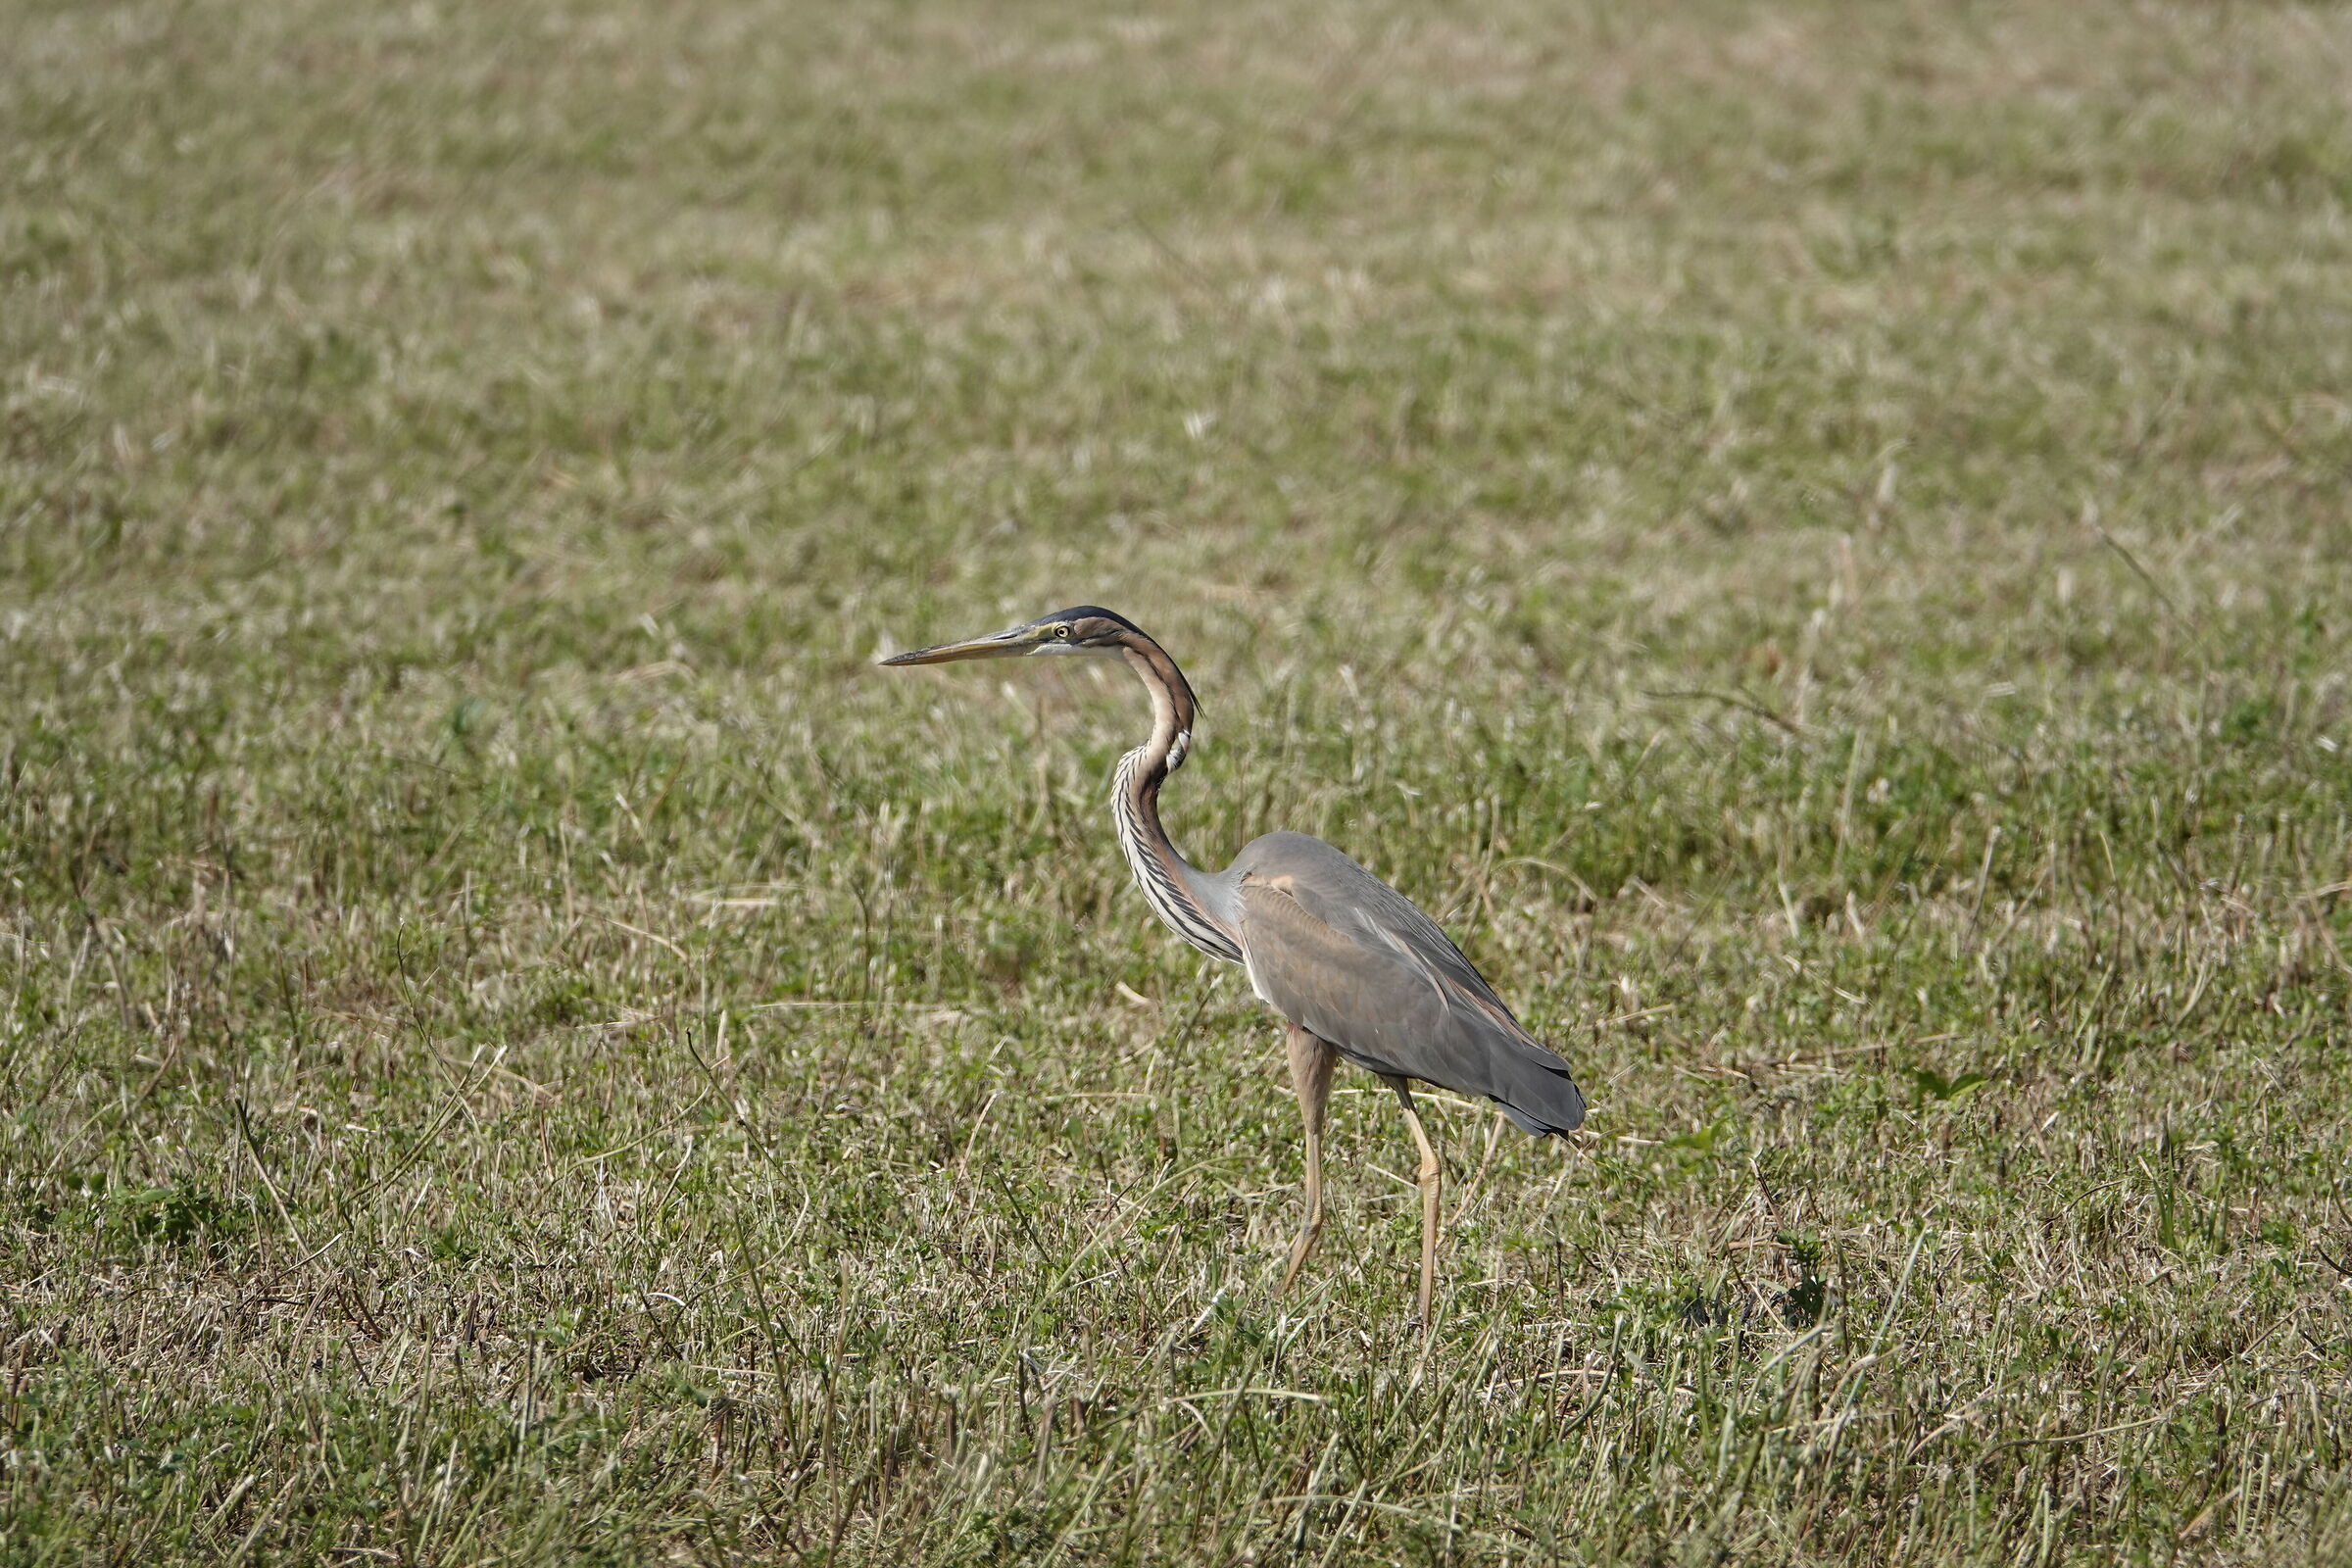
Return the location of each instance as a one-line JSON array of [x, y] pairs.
[[1815, 538]]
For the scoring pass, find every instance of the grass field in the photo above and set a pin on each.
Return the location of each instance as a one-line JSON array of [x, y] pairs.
[[1815, 538]]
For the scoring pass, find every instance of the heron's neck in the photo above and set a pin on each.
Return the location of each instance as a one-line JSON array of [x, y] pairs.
[[1182, 896]]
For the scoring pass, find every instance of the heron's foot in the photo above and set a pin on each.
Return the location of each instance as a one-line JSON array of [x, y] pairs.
[[1300, 1248]]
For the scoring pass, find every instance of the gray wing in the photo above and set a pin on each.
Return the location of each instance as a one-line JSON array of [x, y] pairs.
[[1341, 953]]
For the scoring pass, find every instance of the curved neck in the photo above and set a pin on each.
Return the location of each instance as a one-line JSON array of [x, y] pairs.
[[1173, 708], [1178, 893]]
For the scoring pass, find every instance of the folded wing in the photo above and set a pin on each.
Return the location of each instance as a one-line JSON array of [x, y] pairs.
[[1341, 953]]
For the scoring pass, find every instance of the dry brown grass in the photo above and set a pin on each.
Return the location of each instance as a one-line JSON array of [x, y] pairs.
[[1813, 536]]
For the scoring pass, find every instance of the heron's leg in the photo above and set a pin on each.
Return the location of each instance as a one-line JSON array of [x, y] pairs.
[[1432, 1177], [1312, 1063]]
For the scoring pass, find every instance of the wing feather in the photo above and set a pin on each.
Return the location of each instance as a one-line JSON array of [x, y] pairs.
[[1339, 951]]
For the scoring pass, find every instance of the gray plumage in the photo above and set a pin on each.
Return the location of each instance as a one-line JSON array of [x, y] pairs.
[[1334, 949]]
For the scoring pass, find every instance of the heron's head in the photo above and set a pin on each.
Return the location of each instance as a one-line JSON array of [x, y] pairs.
[[1086, 629]]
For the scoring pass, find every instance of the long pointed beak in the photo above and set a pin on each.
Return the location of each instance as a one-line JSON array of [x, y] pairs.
[[999, 645]]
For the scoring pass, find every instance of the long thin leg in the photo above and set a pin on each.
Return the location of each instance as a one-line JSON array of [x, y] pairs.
[[1312, 1063], [1433, 1180]]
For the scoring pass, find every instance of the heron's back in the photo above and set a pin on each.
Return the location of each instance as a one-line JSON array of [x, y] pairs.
[[1341, 953]]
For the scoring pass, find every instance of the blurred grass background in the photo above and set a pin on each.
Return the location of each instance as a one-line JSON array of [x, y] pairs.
[[1813, 536]]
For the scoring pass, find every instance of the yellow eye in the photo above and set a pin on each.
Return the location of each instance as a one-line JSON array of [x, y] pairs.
[[1063, 632]]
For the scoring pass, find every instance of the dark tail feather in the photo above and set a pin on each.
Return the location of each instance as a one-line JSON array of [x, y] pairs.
[[1535, 1091]]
